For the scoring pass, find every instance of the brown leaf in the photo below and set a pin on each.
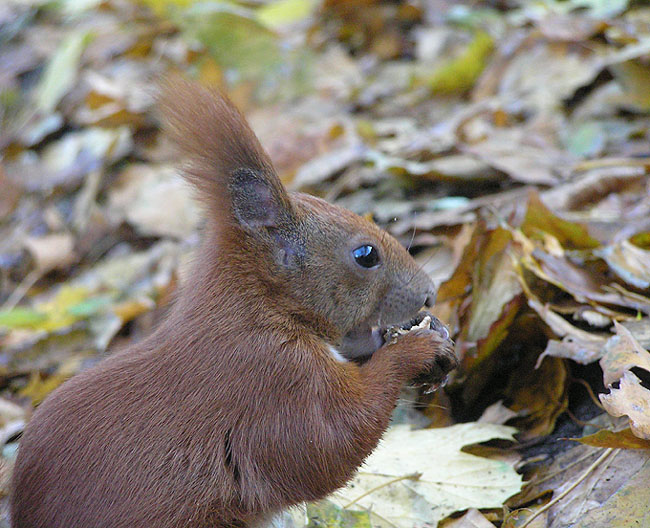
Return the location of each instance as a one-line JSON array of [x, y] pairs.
[[539, 219], [622, 352], [633, 400], [624, 439]]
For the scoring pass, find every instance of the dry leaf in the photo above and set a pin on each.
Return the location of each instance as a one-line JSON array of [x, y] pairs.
[[52, 251], [472, 519], [622, 352], [416, 478], [633, 400]]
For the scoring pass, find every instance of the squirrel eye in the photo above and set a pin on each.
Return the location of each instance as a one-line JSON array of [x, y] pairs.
[[366, 256]]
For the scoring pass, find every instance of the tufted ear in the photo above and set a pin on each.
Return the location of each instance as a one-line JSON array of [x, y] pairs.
[[261, 207], [258, 200], [216, 144]]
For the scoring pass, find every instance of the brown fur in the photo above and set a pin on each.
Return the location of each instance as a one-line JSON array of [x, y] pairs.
[[234, 408]]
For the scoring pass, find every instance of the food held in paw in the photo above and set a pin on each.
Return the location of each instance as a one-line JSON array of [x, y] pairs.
[[437, 373]]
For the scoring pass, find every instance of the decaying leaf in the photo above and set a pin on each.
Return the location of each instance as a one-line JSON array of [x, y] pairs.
[[539, 395], [588, 478], [631, 399], [629, 262], [628, 506], [622, 352]]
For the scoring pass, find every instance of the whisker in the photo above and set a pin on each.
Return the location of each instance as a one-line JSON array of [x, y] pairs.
[[408, 248]]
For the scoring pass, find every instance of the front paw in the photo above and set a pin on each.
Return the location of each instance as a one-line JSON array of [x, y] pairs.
[[424, 349], [437, 370]]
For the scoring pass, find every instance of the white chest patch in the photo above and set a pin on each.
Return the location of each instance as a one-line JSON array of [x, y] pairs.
[[337, 355]]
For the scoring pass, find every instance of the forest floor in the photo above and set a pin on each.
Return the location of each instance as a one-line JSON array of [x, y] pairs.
[[505, 143]]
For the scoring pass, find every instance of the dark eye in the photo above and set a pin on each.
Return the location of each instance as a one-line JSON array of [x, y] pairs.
[[366, 256]]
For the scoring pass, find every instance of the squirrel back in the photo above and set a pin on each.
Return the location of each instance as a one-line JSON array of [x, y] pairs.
[[244, 400]]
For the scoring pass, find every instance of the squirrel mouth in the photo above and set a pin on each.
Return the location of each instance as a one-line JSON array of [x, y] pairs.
[[362, 342], [365, 339]]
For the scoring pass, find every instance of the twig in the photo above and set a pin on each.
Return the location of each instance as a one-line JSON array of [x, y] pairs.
[[549, 476], [21, 290], [414, 476], [590, 392], [575, 419], [582, 477]]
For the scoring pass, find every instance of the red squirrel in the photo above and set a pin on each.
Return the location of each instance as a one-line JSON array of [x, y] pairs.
[[247, 398]]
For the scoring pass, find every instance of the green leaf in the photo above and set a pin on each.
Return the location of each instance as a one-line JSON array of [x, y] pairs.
[[233, 37], [21, 318], [459, 75], [61, 72], [587, 140], [90, 306]]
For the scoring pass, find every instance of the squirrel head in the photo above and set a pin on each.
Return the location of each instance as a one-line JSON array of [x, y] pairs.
[[324, 264]]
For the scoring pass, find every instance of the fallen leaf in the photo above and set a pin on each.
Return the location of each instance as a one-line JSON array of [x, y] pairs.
[[328, 165], [39, 386], [416, 478], [497, 413], [12, 420], [325, 513], [624, 439], [622, 352], [61, 72], [51, 251], [626, 508], [282, 13], [459, 74], [633, 400], [472, 519], [540, 219], [567, 470], [234, 37], [512, 152], [137, 197], [539, 394], [495, 284], [540, 77], [577, 344], [629, 262], [64, 162], [633, 76]]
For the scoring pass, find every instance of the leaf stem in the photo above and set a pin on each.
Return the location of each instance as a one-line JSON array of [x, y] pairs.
[[414, 476], [582, 477]]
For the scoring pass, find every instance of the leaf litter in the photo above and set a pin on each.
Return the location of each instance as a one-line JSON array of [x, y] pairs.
[[507, 148]]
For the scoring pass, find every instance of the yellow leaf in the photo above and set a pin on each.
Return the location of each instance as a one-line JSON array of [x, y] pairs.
[[40, 386], [459, 74], [57, 310], [284, 12]]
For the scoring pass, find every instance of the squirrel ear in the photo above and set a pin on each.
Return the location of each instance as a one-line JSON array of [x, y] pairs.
[[256, 201]]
